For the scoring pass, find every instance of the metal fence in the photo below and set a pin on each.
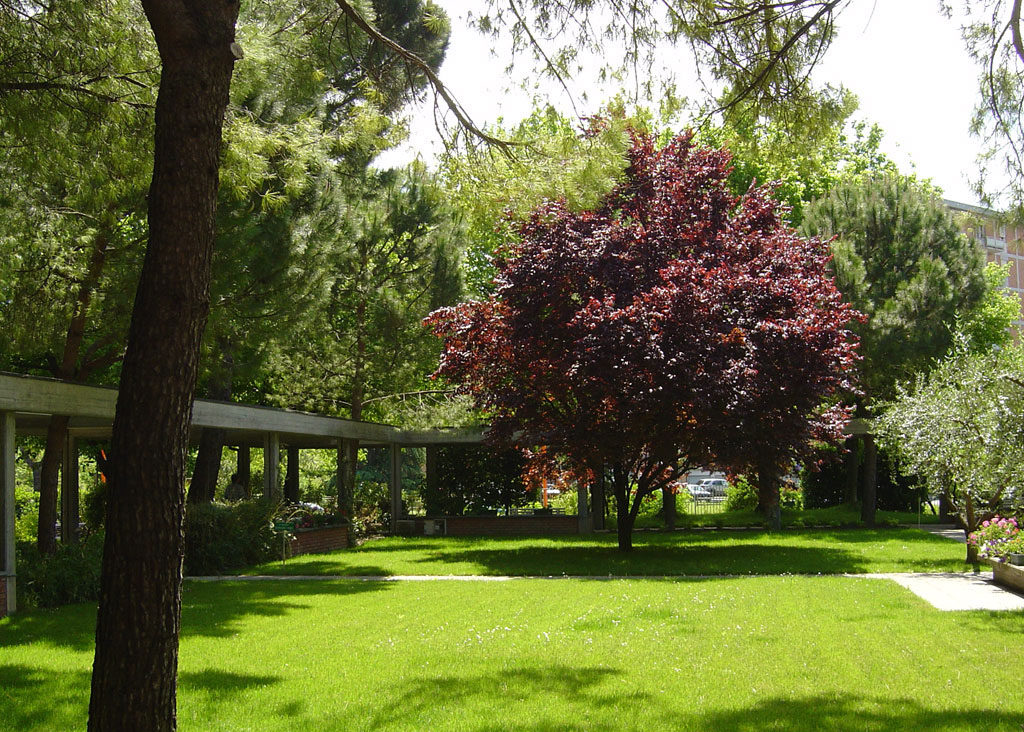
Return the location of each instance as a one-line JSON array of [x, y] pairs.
[[701, 506]]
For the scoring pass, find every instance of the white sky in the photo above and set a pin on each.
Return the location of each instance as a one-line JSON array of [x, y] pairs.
[[904, 61]]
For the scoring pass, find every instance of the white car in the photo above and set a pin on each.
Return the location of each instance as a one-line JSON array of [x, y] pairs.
[[714, 486]]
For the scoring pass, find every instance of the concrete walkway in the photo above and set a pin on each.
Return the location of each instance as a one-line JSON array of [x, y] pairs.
[[956, 591]]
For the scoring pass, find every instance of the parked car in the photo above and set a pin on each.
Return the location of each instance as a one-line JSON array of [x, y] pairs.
[[698, 491], [714, 486]]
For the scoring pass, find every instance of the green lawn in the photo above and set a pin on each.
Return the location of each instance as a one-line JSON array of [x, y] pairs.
[[753, 653], [806, 551]]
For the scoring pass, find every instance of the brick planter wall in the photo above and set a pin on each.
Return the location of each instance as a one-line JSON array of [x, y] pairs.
[[509, 525], [318, 540]]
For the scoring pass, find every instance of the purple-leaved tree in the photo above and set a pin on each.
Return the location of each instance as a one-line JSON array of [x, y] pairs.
[[675, 325]]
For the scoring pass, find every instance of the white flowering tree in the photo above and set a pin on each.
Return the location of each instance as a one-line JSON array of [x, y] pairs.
[[961, 430]]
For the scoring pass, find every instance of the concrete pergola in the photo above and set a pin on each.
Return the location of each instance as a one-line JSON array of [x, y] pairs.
[[27, 403]]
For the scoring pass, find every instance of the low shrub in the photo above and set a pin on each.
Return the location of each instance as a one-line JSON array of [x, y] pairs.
[[70, 575], [741, 495], [223, 537]]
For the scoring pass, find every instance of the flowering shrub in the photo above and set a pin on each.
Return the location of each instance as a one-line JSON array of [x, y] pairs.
[[997, 537], [308, 515]]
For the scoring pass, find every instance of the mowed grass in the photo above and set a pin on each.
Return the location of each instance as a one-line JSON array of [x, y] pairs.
[[694, 553], [751, 653]]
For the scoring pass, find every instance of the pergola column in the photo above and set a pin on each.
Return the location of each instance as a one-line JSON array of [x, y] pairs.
[[271, 461], [8, 593], [69, 493], [395, 484]]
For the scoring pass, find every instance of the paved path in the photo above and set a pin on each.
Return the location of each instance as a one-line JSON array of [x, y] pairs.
[[956, 591], [944, 591]]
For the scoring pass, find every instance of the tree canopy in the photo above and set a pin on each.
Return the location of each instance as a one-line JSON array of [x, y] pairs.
[[899, 258], [673, 325], [960, 429]]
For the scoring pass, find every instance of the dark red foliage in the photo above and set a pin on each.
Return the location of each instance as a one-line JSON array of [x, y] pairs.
[[675, 326]]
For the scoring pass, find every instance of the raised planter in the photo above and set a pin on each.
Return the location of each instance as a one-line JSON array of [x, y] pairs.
[[318, 540], [1008, 575]]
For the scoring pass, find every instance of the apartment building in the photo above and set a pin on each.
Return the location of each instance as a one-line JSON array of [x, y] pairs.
[[1002, 242]]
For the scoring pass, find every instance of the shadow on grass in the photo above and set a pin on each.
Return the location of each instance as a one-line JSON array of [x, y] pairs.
[[463, 698], [648, 560], [38, 698], [221, 683], [731, 551], [853, 712], [72, 627], [592, 698], [219, 609], [338, 564]]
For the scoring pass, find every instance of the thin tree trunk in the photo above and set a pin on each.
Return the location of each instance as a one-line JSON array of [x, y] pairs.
[[624, 516], [243, 468], [668, 507], [291, 476], [868, 504], [852, 463], [597, 500], [768, 494], [134, 679], [970, 524], [57, 431], [206, 472], [347, 487]]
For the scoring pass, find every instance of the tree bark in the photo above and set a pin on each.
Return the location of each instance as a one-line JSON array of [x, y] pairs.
[[768, 495], [668, 507], [134, 679], [597, 500], [624, 516], [56, 434], [243, 467], [57, 430], [868, 504], [291, 476], [852, 463], [206, 472], [203, 486]]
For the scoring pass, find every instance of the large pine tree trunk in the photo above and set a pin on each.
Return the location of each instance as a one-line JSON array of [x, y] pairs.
[[134, 679]]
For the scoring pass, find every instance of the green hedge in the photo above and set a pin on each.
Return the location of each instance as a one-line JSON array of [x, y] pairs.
[[222, 537], [70, 575]]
